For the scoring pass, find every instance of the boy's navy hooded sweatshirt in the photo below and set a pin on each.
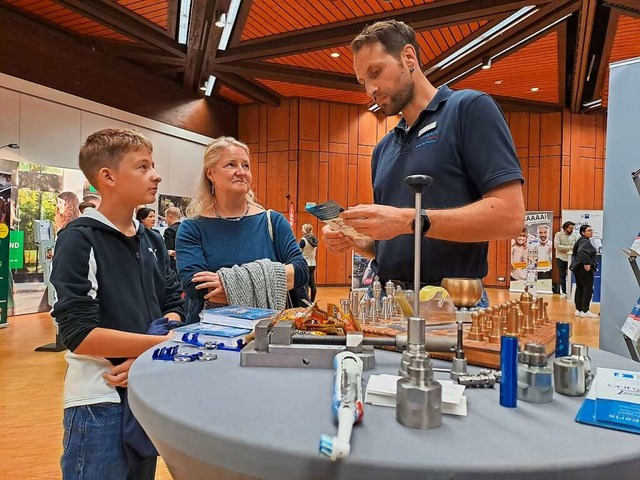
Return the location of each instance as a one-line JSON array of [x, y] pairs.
[[102, 278]]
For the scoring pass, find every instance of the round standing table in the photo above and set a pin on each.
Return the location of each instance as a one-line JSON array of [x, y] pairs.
[[219, 420]]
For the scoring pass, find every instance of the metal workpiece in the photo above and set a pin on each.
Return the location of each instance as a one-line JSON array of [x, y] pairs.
[[533, 317], [354, 300], [541, 320], [482, 379], [496, 324], [459, 365], [581, 352], [376, 288], [569, 377], [389, 289], [363, 309], [534, 375], [373, 310], [419, 396], [345, 306]]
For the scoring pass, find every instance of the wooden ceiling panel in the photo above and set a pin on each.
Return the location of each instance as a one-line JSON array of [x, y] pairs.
[[535, 65], [625, 45], [294, 90], [233, 96], [432, 43], [54, 13], [153, 10], [271, 17]]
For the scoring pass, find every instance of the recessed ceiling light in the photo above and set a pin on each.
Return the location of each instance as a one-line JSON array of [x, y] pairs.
[[535, 89], [335, 54], [498, 82], [203, 88]]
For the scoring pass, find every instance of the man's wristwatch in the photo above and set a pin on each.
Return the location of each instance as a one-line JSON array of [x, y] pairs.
[[425, 223]]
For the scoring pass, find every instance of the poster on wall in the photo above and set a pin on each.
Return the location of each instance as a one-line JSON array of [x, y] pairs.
[[596, 220], [5, 223], [532, 254], [361, 272]]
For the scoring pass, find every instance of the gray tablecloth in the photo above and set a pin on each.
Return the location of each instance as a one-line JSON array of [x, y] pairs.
[[266, 423]]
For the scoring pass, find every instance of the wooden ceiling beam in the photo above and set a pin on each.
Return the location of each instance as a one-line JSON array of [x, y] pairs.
[[213, 40], [506, 44], [603, 68], [173, 16], [286, 73], [241, 20], [255, 91], [522, 105], [582, 58], [122, 20], [562, 64], [433, 15], [625, 7], [132, 52], [200, 27]]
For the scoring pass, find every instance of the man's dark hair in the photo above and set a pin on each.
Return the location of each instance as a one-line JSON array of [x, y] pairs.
[[566, 225], [583, 228], [393, 36]]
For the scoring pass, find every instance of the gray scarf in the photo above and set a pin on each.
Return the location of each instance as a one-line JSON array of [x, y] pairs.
[[261, 284]]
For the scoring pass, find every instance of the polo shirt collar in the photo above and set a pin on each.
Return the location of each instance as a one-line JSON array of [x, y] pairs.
[[441, 96]]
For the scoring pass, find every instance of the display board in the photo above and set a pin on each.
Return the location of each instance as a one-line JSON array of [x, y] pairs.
[[532, 254], [5, 223]]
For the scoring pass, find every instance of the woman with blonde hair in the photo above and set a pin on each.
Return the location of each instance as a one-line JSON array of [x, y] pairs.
[[309, 246], [68, 209], [230, 250]]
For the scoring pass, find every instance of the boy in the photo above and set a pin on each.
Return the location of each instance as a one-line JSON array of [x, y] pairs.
[[111, 279]]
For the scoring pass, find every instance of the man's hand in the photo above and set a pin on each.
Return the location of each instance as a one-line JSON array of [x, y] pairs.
[[172, 253], [379, 222], [336, 241], [119, 374]]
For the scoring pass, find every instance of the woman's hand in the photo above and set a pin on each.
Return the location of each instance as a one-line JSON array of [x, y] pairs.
[[587, 267], [211, 281], [119, 374]]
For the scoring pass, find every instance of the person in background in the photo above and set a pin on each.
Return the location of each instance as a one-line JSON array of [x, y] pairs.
[[226, 230], [545, 249], [460, 138], [173, 216], [309, 246], [84, 205], [112, 280], [67, 210], [583, 266], [564, 240], [146, 216], [93, 199], [519, 256]]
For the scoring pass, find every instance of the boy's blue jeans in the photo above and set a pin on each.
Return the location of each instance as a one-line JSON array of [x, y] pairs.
[[92, 445]]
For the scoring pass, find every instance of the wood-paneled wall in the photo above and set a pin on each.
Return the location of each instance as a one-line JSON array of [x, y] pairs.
[[312, 151]]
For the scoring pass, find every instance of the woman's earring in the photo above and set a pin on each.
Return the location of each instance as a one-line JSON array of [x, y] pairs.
[[213, 189], [411, 69]]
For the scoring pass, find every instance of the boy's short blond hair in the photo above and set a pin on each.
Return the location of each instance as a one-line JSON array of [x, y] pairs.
[[105, 148]]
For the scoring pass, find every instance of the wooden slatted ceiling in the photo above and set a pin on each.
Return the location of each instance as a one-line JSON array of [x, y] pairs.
[[535, 65], [294, 90], [626, 44], [270, 17], [153, 10], [233, 96], [432, 43], [54, 13]]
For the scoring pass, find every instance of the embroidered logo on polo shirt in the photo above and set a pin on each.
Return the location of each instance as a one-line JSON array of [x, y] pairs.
[[427, 139]]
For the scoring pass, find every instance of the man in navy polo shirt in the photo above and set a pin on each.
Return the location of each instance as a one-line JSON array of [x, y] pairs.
[[460, 138]]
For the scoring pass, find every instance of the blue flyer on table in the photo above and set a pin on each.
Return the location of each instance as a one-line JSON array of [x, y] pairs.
[[248, 313]]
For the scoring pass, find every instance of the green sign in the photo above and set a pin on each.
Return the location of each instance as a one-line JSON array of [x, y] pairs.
[[4, 272], [16, 249]]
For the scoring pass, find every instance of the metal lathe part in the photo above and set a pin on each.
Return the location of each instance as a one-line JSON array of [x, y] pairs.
[[419, 396], [535, 383], [354, 299], [581, 352], [479, 380], [373, 310], [345, 305], [376, 288], [568, 376], [389, 289]]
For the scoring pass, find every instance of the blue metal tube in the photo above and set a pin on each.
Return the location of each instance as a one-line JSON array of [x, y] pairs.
[[509, 367], [563, 331]]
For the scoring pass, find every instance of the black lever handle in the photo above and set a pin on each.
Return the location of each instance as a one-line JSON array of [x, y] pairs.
[[418, 182]]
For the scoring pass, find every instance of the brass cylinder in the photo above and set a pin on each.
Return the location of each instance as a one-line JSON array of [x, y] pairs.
[[496, 325], [475, 333], [540, 320], [545, 313], [521, 322], [533, 316], [512, 321]]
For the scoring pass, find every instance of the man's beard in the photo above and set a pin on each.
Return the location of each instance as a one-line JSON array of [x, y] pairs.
[[399, 100]]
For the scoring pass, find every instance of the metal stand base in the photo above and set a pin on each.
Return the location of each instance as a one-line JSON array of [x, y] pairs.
[[52, 347], [300, 356]]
